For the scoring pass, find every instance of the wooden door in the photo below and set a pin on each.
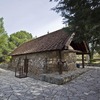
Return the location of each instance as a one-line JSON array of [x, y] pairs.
[[26, 66]]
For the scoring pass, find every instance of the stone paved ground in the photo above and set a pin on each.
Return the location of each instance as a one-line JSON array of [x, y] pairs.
[[85, 87]]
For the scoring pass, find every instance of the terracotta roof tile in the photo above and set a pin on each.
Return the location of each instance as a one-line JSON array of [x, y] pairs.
[[52, 41]]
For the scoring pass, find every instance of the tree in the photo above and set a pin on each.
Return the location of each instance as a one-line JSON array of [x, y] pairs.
[[18, 38], [2, 30], [3, 42], [83, 18], [9, 43]]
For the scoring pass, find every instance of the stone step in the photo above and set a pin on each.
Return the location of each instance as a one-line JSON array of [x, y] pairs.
[[55, 78]]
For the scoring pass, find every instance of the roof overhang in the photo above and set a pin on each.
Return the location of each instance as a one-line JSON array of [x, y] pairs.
[[71, 51]]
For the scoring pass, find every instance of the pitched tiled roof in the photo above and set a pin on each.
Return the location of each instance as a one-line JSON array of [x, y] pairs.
[[52, 41]]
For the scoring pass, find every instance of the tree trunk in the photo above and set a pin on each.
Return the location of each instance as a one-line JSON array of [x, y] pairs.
[[92, 51]]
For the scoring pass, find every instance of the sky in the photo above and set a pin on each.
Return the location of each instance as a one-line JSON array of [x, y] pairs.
[[33, 16]]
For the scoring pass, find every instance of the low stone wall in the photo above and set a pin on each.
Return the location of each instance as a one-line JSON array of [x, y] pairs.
[[4, 65], [55, 78], [97, 65]]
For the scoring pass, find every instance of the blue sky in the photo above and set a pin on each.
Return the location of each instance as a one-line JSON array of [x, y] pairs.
[[34, 16]]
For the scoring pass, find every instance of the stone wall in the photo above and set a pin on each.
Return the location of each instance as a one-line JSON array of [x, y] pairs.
[[37, 61], [70, 60]]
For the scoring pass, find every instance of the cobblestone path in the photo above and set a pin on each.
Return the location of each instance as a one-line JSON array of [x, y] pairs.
[[85, 87]]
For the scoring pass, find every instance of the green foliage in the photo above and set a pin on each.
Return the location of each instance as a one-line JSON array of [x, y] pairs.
[[7, 58], [18, 38], [9, 43], [2, 30], [4, 50], [83, 18], [98, 48]]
